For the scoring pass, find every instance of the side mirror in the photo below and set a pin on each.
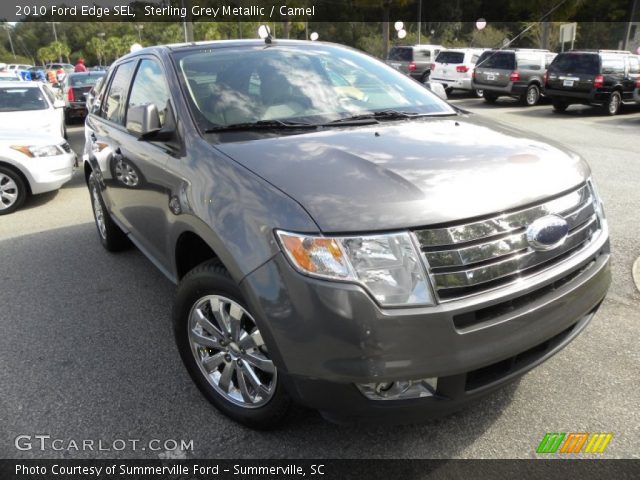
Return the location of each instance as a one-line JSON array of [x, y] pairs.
[[59, 104], [143, 120]]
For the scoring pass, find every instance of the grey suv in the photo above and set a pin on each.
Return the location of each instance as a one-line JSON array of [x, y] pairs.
[[414, 60], [339, 245], [515, 73]]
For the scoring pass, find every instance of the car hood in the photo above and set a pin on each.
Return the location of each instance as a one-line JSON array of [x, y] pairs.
[[410, 173], [37, 121]]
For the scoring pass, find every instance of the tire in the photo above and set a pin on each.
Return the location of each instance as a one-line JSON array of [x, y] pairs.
[[489, 97], [13, 191], [112, 238], [613, 105], [559, 107], [532, 96], [477, 92], [425, 76], [205, 289]]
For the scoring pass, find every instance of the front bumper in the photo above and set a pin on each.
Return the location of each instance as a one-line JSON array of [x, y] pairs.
[[46, 174], [325, 337]]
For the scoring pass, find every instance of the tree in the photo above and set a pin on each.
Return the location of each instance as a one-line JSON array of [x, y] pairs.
[[60, 49], [95, 47]]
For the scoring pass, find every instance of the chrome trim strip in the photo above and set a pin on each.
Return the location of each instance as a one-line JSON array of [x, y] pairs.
[[515, 265], [503, 224]]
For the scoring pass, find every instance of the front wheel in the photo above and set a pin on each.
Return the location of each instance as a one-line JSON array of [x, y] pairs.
[[110, 235], [223, 349], [13, 191], [612, 107]]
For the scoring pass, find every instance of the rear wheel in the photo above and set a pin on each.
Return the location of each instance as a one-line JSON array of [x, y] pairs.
[[13, 191], [531, 96], [612, 107], [478, 93], [489, 97], [559, 106], [110, 235], [223, 350], [425, 76]]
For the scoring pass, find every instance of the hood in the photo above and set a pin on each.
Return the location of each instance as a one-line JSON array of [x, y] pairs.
[[410, 173], [36, 121], [22, 137]]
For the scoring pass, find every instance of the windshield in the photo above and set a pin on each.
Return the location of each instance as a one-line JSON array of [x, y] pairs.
[[450, 57], [316, 84], [84, 80], [21, 99], [575, 63]]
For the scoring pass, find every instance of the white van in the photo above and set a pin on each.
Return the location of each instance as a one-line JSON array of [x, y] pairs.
[[453, 69]]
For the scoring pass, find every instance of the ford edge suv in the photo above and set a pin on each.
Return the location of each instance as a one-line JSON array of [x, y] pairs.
[[366, 250]]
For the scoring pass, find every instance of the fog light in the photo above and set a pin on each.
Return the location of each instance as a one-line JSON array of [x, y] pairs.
[[400, 389]]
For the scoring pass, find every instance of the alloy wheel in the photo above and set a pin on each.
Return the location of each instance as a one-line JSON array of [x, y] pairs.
[[98, 213], [126, 174], [614, 104], [8, 192], [230, 352]]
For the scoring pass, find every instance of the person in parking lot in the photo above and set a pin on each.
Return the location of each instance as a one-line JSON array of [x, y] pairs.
[[51, 77], [80, 66]]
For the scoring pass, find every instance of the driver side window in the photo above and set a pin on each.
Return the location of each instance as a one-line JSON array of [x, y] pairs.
[[150, 87]]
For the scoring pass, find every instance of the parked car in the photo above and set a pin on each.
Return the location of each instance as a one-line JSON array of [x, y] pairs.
[[31, 163], [414, 60], [18, 66], [515, 73], [373, 257], [453, 69], [603, 78], [76, 87], [31, 106], [67, 67], [8, 77]]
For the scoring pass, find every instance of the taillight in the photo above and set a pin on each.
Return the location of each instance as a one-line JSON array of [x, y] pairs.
[[412, 66], [473, 74], [638, 82], [462, 69], [432, 67], [598, 82], [545, 78], [70, 95], [514, 77]]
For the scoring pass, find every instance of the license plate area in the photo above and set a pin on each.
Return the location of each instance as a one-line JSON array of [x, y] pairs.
[[567, 83], [491, 76]]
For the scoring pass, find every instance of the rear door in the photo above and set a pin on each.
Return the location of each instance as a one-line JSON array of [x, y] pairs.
[[494, 68], [573, 72]]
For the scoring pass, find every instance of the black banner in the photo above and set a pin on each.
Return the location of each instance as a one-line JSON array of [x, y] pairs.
[[583, 469]]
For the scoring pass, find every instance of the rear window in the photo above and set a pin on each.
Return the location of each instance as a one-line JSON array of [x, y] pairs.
[[576, 63], [612, 64], [450, 57], [498, 60], [21, 99], [403, 54], [84, 80]]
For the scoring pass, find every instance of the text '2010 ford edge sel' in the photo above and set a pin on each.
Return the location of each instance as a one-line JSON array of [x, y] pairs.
[[340, 236]]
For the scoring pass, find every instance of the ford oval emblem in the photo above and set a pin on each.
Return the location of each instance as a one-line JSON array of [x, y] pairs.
[[547, 232]]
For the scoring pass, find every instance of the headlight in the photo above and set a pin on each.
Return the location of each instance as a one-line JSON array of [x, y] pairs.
[[388, 266], [38, 151]]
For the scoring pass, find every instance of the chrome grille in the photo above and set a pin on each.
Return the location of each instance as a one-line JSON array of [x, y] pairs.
[[478, 256]]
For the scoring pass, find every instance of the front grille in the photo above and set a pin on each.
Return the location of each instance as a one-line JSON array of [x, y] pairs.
[[475, 257], [66, 147]]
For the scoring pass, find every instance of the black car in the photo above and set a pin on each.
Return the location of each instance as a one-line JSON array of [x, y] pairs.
[[76, 86], [512, 73], [604, 78], [339, 245]]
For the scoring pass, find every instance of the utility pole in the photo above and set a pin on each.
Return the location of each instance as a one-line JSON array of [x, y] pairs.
[[419, 20], [7, 27], [188, 24], [633, 11]]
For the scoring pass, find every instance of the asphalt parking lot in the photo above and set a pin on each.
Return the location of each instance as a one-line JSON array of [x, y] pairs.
[[87, 350]]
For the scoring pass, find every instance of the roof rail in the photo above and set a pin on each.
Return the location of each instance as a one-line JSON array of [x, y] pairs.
[[595, 50]]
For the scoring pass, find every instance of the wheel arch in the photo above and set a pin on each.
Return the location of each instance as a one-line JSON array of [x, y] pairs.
[[17, 171], [190, 251]]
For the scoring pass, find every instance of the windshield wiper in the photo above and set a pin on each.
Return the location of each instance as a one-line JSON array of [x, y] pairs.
[[259, 125], [375, 117]]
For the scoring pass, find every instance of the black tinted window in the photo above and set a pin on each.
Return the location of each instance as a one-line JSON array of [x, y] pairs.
[[150, 87], [404, 54], [113, 106], [498, 60], [450, 57], [575, 63], [612, 64]]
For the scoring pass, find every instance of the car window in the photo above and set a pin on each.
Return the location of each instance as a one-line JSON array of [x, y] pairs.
[[450, 57], [49, 94], [577, 63], [612, 64], [113, 106], [286, 83], [403, 54], [528, 61], [474, 59], [498, 60], [15, 99], [150, 87], [634, 65]]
